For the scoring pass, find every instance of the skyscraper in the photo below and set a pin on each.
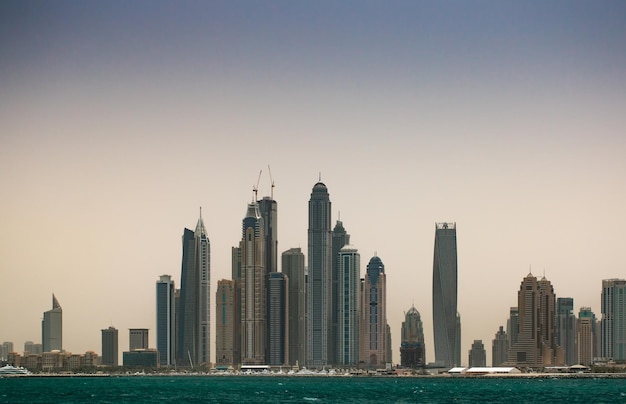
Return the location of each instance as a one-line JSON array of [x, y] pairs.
[[374, 315], [238, 279], [512, 326], [446, 319], [614, 319], [566, 329], [166, 320], [536, 343], [224, 323], [269, 213], [194, 333], [339, 239], [277, 319], [499, 348], [110, 355], [137, 339], [319, 286], [585, 329], [293, 267], [348, 285], [253, 293], [52, 328], [477, 354], [412, 349]]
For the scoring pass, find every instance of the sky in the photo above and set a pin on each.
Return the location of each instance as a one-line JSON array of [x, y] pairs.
[[119, 120]]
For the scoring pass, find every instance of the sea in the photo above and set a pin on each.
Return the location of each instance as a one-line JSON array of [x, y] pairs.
[[278, 389]]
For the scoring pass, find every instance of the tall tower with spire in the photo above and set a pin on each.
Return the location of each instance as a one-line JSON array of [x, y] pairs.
[[194, 333], [253, 293], [52, 327], [319, 296]]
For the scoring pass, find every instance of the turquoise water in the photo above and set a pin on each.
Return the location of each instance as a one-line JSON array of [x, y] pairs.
[[254, 389]]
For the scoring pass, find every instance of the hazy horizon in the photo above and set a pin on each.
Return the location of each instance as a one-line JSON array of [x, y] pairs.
[[119, 120]]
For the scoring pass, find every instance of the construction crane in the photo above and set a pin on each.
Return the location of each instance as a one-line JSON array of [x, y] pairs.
[[255, 189]]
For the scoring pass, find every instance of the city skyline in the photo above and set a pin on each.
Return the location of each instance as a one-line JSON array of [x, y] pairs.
[[118, 121]]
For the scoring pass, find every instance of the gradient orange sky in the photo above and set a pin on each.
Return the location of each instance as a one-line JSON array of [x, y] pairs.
[[118, 120]]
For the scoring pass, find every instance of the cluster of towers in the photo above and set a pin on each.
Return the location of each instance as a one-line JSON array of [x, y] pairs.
[[318, 314], [542, 330]]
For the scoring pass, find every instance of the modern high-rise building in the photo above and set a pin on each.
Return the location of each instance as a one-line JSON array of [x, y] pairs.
[[277, 319], [166, 320], [477, 354], [194, 333], [412, 349], [566, 329], [446, 319], [110, 355], [137, 339], [512, 326], [499, 348], [253, 291], [293, 267], [237, 278], [5, 349], [269, 213], [614, 319], [348, 285], [586, 327], [319, 285], [536, 344], [224, 323], [339, 239], [52, 328], [373, 320]]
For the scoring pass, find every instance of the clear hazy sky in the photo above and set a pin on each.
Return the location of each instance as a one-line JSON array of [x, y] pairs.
[[119, 119]]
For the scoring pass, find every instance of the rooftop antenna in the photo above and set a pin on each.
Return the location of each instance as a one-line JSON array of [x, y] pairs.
[[339, 216], [255, 188], [320, 177], [272, 181], [200, 212]]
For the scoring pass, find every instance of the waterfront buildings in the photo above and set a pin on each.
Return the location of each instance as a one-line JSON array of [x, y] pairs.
[[477, 354], [52, 328], [319, 285], [194, 334], [137, 339], [536, 344], [566, 329], [614, 319], [253, 292], [585, 330], [412, 349], [110, 356], [348, 285], [293, 267], [166, 320], [141, 358], [499, 348], [277, 319], [374, 330], [446, 319], [225, 323]]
